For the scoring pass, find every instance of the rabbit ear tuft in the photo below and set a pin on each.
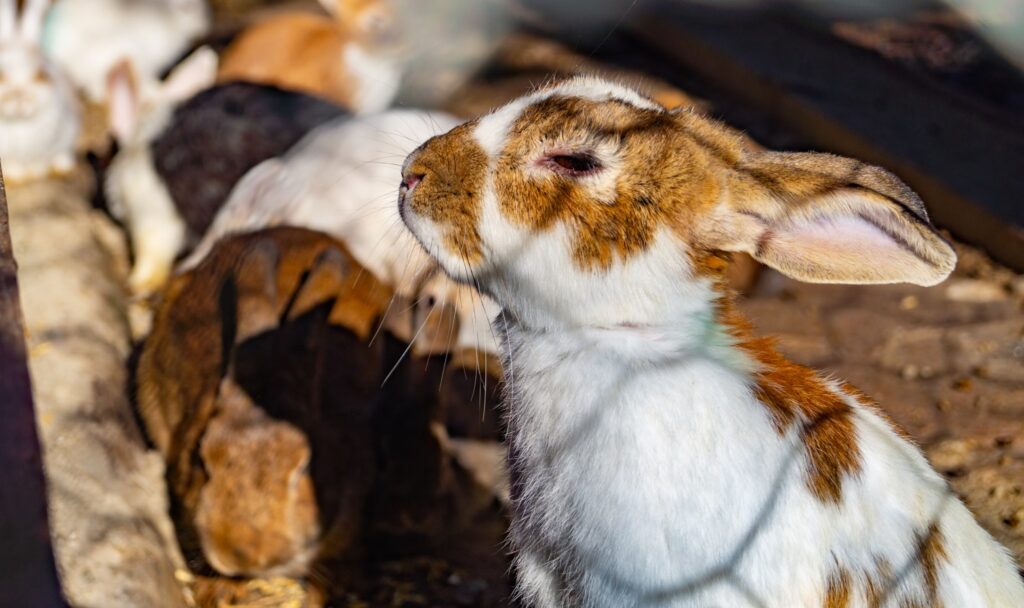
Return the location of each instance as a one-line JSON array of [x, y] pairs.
[[32, 19], [8, 18]]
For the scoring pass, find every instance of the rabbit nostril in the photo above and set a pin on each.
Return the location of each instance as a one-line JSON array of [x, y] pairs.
[[412, 180]]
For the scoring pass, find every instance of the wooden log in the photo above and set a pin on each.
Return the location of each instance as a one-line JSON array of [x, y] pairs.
[[964, 161], [28, 574]]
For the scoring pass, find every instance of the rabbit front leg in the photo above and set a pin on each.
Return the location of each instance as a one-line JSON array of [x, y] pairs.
[[538, 584], [157, 239]]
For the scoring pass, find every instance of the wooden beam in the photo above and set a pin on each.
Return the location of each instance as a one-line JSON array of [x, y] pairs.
[[965, 162], [28, 574]]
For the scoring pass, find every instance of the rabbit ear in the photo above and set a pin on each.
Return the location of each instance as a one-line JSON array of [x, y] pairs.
[[8, 18], [826, 219], [122, 101], [32, 19], [331, 6], [195, 73]]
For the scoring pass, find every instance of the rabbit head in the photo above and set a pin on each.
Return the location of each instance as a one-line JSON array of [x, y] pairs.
[[588, 204], [39, 115], [372, 22], [257, 514]]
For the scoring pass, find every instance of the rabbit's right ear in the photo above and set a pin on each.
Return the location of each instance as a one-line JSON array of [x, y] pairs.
[[8, 19], [122, 101], [195, 73]]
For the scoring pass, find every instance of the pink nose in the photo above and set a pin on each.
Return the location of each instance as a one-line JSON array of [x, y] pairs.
[[411, 180]]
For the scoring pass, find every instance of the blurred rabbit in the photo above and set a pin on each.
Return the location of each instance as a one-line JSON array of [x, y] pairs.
[[139, 110], [39, 113], [176, 169], [88, 38], [242, 455], [349, 58], [341, 179]]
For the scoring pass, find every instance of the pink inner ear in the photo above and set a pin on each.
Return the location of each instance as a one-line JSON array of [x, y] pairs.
[[843, 248], [839, 232]]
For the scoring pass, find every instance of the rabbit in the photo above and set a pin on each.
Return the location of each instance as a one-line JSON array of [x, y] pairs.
[[39, 112], [350, 58], [139, 110], [341, 179], [659, 453], [88, 38], [239, 427], [176, 169]]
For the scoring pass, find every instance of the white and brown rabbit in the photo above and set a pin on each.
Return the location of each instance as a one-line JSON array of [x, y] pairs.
[[349, 57], [39, 113], [660, 455]]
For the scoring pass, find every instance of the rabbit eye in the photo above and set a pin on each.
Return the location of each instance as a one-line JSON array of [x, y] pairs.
[[39, 76], [575, 164]]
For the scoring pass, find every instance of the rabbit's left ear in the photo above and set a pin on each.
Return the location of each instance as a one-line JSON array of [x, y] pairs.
[[826, 219]]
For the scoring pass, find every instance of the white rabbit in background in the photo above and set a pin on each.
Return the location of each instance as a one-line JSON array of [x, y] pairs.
[[89, 37], [343, 179], [39, 113]]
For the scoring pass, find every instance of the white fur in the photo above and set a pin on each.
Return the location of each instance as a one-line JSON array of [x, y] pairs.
[[342, 179], [39, 113], [89, 37], [645, 470], [376, 79]]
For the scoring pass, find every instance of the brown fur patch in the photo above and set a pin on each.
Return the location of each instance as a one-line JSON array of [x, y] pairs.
[[454, 167], [296, 51], [795, 394], [932, 553], [647, 193], [838, 592]]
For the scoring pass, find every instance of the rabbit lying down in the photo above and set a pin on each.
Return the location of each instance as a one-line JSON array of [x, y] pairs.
[[342, 179], [279, 463], [39, 111], [660, 454]]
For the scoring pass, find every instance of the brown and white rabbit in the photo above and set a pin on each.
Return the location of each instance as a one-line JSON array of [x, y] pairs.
[[39, 113], [241, 455], [348, 58], [661, 455]]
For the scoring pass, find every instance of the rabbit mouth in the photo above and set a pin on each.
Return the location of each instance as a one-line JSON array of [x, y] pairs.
[[18, 106]]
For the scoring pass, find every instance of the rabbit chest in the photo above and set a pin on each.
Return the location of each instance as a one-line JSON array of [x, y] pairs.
[[638, 476]]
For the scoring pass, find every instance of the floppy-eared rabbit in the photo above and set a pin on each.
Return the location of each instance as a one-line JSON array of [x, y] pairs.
[[660, 454], [341, 179], [39, 113], [88, 38], [349, 58], [176, 171]]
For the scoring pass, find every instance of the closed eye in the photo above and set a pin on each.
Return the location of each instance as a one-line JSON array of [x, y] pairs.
[[574, 165]]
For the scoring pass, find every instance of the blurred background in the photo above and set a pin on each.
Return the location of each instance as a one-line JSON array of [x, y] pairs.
[[230, 378]]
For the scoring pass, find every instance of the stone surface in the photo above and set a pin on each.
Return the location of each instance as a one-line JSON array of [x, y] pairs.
[[108, 504]]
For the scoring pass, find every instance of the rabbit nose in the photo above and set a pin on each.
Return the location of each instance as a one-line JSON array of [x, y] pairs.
[[411, 180]]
